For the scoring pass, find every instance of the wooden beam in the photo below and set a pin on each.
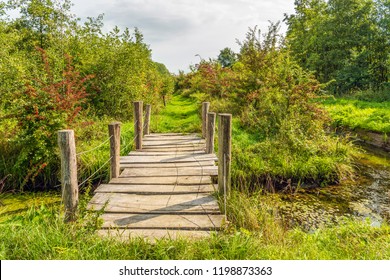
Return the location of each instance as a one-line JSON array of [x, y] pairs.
[[70, 190]]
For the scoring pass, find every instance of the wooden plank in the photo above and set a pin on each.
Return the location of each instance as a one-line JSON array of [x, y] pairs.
[[167, 158], [153, 234], [156, 189], [167, 164], [173, 142], [186, 138], [173, 135], [174, 150], [161, 221], [200, 145], [183, 171], [154, 204], [161, 180], [172, 153]]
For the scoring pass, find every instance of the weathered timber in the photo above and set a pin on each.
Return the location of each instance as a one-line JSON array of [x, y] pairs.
[[224, 151], [138, 127], [171, 149], [70, 190], [155, 204], [162, 165], [162, 180], [163, 191], [114, 131], [210, 133], [165, 158], [175, 171], [156, 189], [162, 143], [205, 110], [147, 119]]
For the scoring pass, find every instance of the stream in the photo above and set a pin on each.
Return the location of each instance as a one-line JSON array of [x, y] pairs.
[[366, 197]]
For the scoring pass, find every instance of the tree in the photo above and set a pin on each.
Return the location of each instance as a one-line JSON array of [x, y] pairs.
[[340, 40], [227, 57]]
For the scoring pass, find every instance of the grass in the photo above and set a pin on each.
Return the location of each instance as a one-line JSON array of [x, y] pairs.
[[357, 114], [40, 234], [181, 115]]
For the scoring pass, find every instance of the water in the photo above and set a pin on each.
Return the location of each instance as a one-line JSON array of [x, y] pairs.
[[366, 197]]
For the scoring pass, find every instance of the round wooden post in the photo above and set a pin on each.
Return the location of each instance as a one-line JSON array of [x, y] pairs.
[[70, 189], [205, 110], [138, 127], [147, 119], [114, 131], [224, 151], [210, 133]]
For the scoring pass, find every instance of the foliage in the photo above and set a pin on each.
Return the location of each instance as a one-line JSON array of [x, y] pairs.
[[344, 41], [227, 57], [46, 106], [36, 100], [272, 96]]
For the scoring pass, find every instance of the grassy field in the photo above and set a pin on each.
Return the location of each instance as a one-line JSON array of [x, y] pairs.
[[33, 229], [357, 114]]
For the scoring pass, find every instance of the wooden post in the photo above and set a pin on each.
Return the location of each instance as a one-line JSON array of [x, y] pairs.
[[210, 133], [224, 151], [114, 131], [70, 189], [205, 110], [147, 119], [138, 127]]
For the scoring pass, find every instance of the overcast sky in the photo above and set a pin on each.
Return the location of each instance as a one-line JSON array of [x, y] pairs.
[[178, 30]]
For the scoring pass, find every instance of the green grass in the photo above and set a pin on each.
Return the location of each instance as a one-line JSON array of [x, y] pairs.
[[254, 233], [357, 114], [181, 115]]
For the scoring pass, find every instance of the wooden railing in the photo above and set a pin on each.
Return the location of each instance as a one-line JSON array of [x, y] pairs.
[[66, 142]]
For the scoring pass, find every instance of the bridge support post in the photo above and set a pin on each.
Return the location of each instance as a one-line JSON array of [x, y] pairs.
[[224, 152], [138, 127], [210, 133], [147, 119], [205, 110], [114, 132], [70, 189]]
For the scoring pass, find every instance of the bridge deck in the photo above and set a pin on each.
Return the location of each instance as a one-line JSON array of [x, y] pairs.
[[164, 190]]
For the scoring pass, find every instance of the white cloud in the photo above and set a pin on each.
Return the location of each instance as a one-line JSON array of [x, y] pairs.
[[177, 30]]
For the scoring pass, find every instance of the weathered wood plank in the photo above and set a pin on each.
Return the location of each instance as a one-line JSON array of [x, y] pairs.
[[191, 145], [153, 234], [173, 142], [167, 158], [173, 150], [154, 204], [161, 221], [156, 189], [161, 180], [182, 171], [171, 153], [173, 135], [167, 164]]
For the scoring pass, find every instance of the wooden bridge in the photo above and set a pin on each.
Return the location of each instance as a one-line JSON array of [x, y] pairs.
[[166, 187]]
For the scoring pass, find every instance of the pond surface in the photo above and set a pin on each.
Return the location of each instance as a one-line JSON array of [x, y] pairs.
[[367, 196]]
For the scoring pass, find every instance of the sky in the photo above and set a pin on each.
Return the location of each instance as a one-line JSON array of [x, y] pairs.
[[181, 32]]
